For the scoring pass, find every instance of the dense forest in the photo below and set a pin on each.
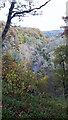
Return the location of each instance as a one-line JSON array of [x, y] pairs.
[[33, 75]]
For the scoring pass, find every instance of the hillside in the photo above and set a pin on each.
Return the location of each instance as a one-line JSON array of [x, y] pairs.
[[30, 89], [55, 39], [26, 44], [31, 44], [29, 47], [52, 32]]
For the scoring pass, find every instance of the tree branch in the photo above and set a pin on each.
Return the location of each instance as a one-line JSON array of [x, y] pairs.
[[30, 10], [11, 15]]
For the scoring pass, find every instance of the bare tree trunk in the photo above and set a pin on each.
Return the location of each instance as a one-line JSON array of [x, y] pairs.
[[7, 26], [6, 29]]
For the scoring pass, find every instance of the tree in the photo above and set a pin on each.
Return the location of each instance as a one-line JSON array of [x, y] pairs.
[[61, 69], [19, 9], [66, 37]]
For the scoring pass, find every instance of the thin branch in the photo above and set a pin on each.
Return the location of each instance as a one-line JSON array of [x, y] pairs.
[[30, 10]]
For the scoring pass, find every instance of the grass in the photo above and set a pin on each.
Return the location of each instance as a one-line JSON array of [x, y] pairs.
[[29, 107]]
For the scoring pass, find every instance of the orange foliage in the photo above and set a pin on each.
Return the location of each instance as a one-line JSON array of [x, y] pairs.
[[13, 65], [8, 64]]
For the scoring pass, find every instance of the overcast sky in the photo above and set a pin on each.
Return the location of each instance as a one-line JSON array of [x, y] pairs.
[[51, 18]]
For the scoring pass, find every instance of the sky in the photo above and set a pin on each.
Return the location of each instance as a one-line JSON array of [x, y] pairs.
[[51, 19]]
